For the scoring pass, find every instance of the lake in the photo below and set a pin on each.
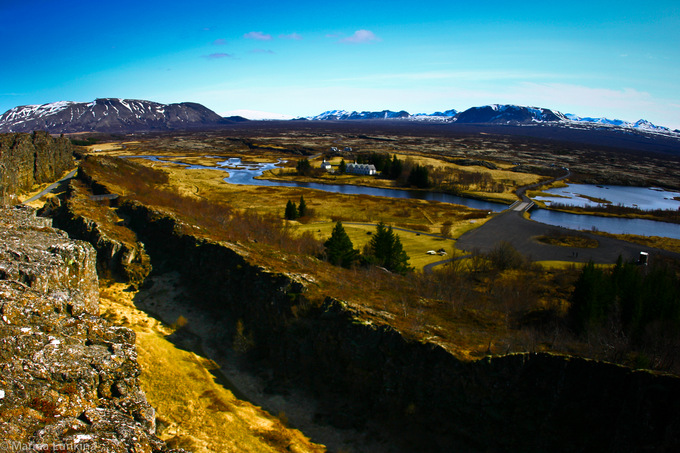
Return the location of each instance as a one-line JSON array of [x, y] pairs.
[[646, 198], [615, 225]]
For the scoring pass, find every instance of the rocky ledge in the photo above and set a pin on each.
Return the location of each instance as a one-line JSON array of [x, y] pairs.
[[68, 378]]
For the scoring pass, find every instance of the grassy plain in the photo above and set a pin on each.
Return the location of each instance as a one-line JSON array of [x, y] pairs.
[[418, 217]]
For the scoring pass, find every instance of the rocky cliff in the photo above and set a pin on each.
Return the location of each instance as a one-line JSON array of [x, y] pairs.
[[68, 379], [364, 373], [119, 255], [27, 159]]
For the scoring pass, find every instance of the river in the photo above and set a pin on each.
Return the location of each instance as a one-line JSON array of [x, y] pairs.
[[251, 173]]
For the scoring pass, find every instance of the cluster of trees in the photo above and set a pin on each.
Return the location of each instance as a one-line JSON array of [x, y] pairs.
[[630, 298], [294, 212], [391, 168], [419, 176], [304, 167], [406, 172], [384, 250]]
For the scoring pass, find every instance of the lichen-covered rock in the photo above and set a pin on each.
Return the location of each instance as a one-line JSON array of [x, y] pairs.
[[67, 377], [46, 260]]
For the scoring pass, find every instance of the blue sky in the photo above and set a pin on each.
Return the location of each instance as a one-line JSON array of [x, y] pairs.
[[598, 58]]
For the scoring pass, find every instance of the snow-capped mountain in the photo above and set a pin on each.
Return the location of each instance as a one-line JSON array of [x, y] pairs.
[[500, 114], [640, 124], [507, 114], [108, 115], [341, 115], [434, 117]]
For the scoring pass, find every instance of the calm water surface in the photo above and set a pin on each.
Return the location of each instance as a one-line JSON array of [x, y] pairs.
[[615, 225], [646, 198]]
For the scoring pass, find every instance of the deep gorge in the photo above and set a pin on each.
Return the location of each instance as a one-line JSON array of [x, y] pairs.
[[424, 398]]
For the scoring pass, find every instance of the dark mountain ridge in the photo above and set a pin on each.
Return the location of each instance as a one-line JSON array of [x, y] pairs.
[[507, 114], [110, 115]]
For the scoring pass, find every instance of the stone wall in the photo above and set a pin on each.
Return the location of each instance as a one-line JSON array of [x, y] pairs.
[[365, 374], [27, 159], [68, 379]]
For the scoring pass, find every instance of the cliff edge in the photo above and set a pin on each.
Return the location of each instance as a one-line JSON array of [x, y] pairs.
[[68, 379]]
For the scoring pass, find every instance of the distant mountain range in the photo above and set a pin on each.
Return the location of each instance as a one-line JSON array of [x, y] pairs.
[[496, 114], [111, 116], [124, 116]]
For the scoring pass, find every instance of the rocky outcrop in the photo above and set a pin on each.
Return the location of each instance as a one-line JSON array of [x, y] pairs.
[[119, 254], [27, 159], [68, 379], [428, 400]]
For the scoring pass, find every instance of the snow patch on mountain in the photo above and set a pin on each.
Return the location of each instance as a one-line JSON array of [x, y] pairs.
[[342, 115], [640, 124], [498, 114]]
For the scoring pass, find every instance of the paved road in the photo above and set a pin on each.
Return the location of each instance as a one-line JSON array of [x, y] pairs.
[[51, 187], [511, 226]]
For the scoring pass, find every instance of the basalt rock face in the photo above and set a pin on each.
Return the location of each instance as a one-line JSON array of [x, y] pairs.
[[120, 258], [68, 379], [27, 159], [367, 373]]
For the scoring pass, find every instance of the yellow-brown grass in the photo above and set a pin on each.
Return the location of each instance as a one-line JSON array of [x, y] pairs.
[[193, 410]]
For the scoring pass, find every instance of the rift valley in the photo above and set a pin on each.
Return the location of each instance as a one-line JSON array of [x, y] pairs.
[[491, 351]]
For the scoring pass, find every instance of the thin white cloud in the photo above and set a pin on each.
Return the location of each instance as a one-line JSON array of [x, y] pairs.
[[217, 56], [360, 37], [600, 98], [258, 36], [220, 42], [453, 76], [293, 36], [267, 51]]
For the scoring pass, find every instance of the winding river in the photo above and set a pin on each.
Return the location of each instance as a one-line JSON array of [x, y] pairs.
[[251, 173]]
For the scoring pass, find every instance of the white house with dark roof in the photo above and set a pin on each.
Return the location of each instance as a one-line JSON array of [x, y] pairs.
[[361, 169]]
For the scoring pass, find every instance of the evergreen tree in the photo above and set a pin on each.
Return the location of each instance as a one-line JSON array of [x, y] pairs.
[[386, 250], [419, 176], [304, 168], [396, 167], [627, 285], [592, 298], [339, 248], [343, 167], [302, 207], [291, 211]]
